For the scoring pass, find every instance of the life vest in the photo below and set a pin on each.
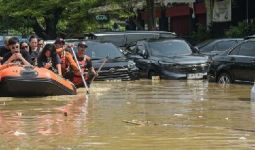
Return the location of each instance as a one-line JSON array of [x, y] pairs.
[[64, 62], [83, 64], [77, 80]]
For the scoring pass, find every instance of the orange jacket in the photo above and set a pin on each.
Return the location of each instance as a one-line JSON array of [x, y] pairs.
[[66, 60]]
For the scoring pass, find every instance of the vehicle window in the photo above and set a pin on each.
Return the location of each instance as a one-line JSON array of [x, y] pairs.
[[235, 51], [208, 47], [102, 50], [201, 45], [247, 49], [169, 48], [224, 45]]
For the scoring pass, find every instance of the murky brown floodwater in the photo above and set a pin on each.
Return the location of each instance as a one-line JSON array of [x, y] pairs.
[[133, 115]]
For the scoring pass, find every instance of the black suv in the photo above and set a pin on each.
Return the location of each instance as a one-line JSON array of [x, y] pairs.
[[217, 46], [170, 59], [236, 64], [117, 66]]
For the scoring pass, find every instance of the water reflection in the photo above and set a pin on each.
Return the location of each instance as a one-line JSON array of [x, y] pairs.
[[133, 115]]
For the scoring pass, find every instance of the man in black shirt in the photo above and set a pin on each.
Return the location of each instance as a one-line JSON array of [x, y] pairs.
[[16, 55], [33, 49]]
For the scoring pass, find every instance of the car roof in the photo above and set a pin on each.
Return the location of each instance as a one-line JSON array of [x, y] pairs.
[[123, 39], [250, 37], [204, 43], [226, 39], [164, 39]]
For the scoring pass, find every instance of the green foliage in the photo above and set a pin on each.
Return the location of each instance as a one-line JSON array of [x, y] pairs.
[[201, 34], [50, 18], [241, 30]]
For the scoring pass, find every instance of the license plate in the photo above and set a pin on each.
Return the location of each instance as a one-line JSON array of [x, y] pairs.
[[195, 76]]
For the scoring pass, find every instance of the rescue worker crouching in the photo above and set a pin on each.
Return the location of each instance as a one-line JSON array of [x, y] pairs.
[[85, 65], [68, 65]]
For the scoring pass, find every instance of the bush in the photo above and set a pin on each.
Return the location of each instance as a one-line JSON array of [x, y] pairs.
[[200, 35], [241, 30]]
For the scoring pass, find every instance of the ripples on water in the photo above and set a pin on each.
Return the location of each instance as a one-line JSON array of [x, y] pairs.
[[133, 115]]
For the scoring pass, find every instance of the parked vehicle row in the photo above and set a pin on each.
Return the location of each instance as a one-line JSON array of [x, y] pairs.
[[163, 54]]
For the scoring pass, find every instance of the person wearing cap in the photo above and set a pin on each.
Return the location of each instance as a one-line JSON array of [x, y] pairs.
[[16, 55], [85, 65], [67, 62]]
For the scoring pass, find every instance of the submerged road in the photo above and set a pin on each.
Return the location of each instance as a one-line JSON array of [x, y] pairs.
[[133, 115]]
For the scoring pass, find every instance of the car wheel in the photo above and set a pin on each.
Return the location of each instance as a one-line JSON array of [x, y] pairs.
[[152, 73], [224, 78]]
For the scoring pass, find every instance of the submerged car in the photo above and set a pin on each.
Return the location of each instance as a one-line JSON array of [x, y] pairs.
[[217, 46], [235, 65], [117, 66], [169, 59]]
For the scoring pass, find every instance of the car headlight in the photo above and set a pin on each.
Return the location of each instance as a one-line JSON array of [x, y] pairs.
[[131, 64]]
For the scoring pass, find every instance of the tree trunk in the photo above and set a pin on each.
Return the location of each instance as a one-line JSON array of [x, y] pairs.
[[150, 11], [51, 21]]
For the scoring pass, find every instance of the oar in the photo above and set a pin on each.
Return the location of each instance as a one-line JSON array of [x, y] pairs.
[[99, 69], [82, 76]]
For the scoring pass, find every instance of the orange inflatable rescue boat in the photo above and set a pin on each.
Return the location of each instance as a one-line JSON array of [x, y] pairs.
[[16, 80]]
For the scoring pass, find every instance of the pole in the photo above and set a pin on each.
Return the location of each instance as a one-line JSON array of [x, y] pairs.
[[99, 69], [81, 73]]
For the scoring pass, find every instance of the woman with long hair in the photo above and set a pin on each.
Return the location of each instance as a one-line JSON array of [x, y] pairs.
[[49, 59]]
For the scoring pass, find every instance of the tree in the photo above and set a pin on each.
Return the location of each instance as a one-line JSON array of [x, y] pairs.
[[150, 10], [44, 15]]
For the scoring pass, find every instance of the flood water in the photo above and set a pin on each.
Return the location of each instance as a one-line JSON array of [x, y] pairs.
[[133, 115]]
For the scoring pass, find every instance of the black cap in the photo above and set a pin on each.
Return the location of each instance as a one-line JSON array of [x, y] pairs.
[[59, 41], [82, 43]]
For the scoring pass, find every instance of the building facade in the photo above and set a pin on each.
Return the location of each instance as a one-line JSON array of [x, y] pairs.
[[183, 16]]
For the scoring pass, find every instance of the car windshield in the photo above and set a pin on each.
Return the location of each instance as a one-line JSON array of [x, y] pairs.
[[169, 48], [102, 50], [201, 45]]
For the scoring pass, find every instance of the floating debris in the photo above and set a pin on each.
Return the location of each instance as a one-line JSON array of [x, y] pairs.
[[137, 122], [178, 115], [19, 113], [18, 133], [242, 138]]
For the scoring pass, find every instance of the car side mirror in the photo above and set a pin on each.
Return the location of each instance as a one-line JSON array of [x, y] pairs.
[[196, 49], [143, 54]]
